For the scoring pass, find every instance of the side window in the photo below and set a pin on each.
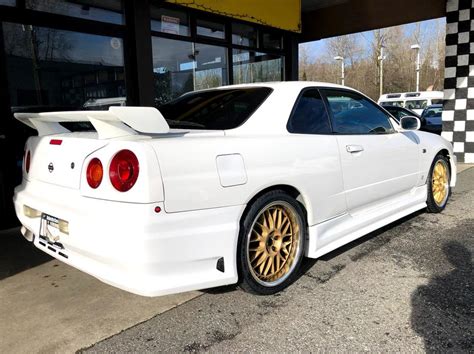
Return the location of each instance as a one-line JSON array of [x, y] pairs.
[[352, 113], [309, 115]]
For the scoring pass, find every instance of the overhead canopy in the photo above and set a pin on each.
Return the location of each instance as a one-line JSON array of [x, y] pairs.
[[282, 14], [329, 18]]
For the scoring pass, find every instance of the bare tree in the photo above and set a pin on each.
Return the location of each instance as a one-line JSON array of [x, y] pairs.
[[362, 64]]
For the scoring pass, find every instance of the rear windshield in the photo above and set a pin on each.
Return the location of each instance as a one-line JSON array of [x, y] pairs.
[[214, 109]]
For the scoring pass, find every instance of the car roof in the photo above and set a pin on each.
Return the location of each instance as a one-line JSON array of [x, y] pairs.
[[287, 85]]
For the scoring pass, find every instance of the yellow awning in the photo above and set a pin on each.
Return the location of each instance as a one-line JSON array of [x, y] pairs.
[[283, 14]]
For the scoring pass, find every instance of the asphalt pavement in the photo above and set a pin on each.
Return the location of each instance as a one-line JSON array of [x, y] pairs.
[[405, 288]]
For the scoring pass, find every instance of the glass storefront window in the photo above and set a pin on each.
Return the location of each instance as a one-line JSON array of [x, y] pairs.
[[249, 66], [211, 66], [8, 2], [272, 41], [169, 21], [243, 34], [97, 10], [210, 29], [55, 68], [180, 67]]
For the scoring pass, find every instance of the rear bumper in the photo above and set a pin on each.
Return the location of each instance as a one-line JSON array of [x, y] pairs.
[[130, 246]]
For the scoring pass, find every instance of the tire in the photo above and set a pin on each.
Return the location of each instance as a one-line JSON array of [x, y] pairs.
[[271, 243], [439, 189]]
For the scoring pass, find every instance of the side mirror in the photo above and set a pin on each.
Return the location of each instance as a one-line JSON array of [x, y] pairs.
[[410, 123]]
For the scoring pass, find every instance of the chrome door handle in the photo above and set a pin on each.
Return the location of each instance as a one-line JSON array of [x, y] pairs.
[[354, 148]]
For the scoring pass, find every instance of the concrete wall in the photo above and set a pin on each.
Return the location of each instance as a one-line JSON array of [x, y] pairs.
[[458, 114]]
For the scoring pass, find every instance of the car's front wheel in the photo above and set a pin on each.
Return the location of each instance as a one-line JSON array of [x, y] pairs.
[[271, 242], [439, 189]]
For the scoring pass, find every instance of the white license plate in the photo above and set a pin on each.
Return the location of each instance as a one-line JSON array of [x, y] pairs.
[[50, 227]]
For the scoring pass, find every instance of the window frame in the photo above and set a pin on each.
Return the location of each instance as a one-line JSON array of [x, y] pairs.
[[269, 89], [295, 105], [323, 91]]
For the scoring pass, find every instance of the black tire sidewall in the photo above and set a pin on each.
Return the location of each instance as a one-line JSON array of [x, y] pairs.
[[246, 280], [432, 207]]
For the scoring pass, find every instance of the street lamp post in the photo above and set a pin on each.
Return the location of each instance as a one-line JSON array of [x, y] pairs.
[[381, 58], [342, 68], [417, 48]]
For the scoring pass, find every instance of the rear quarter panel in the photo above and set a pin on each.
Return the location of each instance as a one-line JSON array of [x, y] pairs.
[[191, 180]]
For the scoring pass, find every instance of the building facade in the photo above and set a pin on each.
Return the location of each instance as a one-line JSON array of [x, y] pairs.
[[69, 55]]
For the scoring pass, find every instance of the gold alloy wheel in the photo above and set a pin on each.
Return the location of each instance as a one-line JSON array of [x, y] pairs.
[[274, 243], [440, 184]]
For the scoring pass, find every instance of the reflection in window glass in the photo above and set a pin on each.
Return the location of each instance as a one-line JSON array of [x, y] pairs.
[[97, 10], [169, 21], [272, 41], [180, 67], [8, 2], [352, 113], [309, 115], [416, 104], [243, 34], [252, 66], [211, 66], [214, 109], [210, 29], [50, 67], [172, 68]]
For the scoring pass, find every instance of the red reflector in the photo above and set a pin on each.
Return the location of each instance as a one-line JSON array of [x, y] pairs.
[[157, 209], [55, 142], [27, 161]]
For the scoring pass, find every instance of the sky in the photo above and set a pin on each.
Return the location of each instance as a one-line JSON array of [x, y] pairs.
[[317, 48]]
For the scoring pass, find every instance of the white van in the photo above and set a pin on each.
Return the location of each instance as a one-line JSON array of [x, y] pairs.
[[415, 101]]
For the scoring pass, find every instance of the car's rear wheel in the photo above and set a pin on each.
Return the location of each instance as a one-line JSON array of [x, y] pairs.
[[271, 242], [439, 189]]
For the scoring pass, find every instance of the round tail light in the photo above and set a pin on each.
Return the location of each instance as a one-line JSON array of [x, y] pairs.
[[95, 172], [27, 161], [124, 170]]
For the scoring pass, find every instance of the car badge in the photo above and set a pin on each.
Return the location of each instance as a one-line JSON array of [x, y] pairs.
[[50, 167]]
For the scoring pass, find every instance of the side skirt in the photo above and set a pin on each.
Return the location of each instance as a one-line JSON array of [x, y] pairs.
[[334, 233]]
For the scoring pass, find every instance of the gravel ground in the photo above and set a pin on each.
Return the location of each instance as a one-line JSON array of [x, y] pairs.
[[407, 287]]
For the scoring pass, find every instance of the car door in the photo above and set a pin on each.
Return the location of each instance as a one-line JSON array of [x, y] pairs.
[[318, 156], [378, 162]]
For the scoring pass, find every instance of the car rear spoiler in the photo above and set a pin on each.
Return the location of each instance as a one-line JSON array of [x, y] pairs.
[[114, 123]]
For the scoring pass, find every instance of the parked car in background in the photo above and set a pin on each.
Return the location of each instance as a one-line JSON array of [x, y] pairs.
[[225, 185], [415, 101], [431, 120], [399, 112]]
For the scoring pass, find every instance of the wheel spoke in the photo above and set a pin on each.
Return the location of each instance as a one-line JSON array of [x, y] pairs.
[[287, 224], [268, 266], [270, 222], [261, 260], [280, 216], [277, 260]]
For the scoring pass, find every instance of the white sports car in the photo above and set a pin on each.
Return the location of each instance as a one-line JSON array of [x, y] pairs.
[[226, 185]]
